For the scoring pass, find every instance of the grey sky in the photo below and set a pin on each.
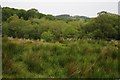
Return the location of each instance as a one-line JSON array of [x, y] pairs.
[[73, 8]]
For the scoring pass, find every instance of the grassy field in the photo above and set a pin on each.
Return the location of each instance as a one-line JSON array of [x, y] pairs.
[[83, 58]]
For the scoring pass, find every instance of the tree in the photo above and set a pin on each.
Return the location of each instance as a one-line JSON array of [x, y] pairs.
[[16, 27], [50, 17], [32, 13], [69, 32], [48, 36], [102, 27]]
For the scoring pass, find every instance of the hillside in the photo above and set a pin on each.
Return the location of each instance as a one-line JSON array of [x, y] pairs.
[[68, 17]]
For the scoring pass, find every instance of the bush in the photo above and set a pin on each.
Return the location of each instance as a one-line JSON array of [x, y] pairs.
[[48, 36]]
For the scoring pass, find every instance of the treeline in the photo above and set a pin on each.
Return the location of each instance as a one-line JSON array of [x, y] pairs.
[[40, 28], [34, 25], [21, 13]]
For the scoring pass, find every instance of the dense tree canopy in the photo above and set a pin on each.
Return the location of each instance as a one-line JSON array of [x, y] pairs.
[[31, 13], [105, 26], [34, 25]]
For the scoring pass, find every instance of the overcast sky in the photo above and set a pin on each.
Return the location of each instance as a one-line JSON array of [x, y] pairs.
[[82, 8]]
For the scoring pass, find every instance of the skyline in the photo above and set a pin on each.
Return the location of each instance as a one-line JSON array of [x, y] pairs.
[[89, 9]]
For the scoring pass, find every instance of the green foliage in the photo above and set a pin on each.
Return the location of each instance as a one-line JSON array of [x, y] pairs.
[[33, 24], [48, 36], [69, 32], [105, 26], [31, 13]]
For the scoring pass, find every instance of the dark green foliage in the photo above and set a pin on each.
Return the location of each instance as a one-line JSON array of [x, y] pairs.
[[105, 26], [31, 13]]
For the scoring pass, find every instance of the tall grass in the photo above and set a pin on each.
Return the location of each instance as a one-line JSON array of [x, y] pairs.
[[78, 59]]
